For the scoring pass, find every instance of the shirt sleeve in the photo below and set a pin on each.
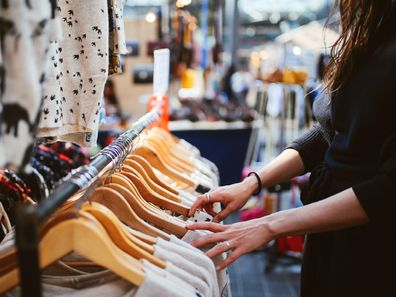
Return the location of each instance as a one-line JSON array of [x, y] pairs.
[[311, 146], [377, 195]]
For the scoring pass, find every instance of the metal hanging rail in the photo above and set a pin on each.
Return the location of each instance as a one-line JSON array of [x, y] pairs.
[[29, 217]]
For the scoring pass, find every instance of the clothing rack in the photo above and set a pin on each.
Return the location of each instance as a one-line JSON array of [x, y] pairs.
[[29, 217]]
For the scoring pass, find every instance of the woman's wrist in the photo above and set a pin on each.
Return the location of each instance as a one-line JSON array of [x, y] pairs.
[[281, 223], [250, 185]]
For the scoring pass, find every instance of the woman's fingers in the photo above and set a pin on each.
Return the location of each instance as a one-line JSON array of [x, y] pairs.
[[209, 209], [235, 255], [219, 217], [207, 226], [205, 200], [197, 204], [210, 239], [220, 248]]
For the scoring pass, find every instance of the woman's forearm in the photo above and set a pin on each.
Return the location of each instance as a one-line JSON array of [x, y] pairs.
[[284, 167], [340, 211]]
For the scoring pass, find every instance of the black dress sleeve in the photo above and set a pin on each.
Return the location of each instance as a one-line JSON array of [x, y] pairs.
[[311, 146], [377, 195]]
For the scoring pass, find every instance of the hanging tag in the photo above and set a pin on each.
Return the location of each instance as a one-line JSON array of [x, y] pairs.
[[161, 72]]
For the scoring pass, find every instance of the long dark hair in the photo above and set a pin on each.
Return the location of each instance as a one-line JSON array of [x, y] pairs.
[[362, 22]]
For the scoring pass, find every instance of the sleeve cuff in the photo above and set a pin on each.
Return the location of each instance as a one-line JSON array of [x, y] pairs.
[[309, 163], [376, 196]]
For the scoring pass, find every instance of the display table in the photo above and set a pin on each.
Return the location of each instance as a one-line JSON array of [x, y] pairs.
[[225, 144]]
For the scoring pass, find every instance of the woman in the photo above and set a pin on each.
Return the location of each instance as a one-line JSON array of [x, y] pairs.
[[350, 204]]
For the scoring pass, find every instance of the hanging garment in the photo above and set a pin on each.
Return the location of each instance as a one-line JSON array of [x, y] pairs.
[[117, 43], [181, 283], [114, 58], [197, 260], [104, 283], [189, 278], [25, 33], [119, 38], [223, 277], [163, 252], [78, 72]]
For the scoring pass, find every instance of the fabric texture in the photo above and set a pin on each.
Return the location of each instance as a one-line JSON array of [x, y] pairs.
[[189, 278], [223, 278], [25, 28], [119, 37], [185, 259], [114, 58], [313, 144], [78, 72], [180, 282], [105, 283]]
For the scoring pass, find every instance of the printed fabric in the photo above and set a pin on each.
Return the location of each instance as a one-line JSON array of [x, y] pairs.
[[78, 72], [25, 34]]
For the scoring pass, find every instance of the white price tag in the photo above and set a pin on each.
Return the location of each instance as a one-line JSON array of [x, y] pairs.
[[161, 71]]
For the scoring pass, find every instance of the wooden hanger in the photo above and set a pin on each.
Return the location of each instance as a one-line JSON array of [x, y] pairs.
[[123, 204], [80, 235], [150, 207], [150, 172], [168, 157], [180, 150], [188, 173], [161, 220], [130, 197], [114, 228], [150, 195], [191, 170], [182, 158], [181, 145], [126, 182], [156, 161], [156, 187]]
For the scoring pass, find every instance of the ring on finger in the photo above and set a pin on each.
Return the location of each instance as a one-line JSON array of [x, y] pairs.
[[228, 244], [207, 195]]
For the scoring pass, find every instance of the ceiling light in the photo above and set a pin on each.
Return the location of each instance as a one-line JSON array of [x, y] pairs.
[[183, 3], [297, 50], [151, 17]]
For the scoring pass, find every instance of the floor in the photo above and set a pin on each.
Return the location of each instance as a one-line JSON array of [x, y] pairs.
[[249, 278]]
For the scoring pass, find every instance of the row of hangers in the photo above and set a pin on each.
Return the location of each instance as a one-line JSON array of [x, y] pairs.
[[148, 196]]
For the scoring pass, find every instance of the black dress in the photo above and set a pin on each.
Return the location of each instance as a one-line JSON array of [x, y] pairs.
[[354, 145]]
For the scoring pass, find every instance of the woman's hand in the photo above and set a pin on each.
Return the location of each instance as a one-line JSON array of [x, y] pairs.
[[240, 238], [232, 197], [339, 211]]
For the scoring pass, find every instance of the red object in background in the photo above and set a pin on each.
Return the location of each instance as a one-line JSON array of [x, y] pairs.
[[155, 45], [251, 214], [163, 103], [109, 139], [290, 244]]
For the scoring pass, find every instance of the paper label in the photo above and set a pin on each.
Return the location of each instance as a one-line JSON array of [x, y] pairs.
[[161, 72]]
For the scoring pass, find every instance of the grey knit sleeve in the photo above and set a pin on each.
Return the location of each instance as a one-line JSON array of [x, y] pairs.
[[313, 144]]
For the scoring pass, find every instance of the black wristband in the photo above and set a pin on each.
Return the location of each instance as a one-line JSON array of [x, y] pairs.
[[260, 184]]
